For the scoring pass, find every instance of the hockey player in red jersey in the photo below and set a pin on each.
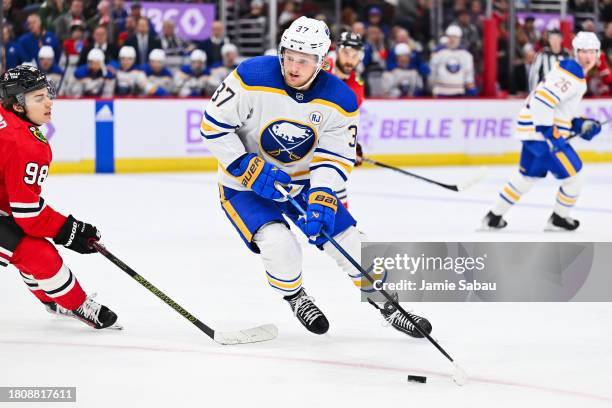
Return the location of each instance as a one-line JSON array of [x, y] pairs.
[[349, 53], [26, 220]]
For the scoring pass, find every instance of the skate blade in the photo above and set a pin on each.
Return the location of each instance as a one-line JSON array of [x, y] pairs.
[[253, 335]]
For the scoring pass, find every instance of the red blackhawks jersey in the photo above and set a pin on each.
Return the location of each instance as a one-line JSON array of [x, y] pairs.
[[354, 81], [25, 156]]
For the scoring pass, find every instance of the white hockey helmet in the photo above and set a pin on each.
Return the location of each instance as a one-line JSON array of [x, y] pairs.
[[157, 54], [453, 31], [309, 36], [586, 40], [198, 55], [229, 48], [402, 49], [97, 55], [46, 51], [127, 51]]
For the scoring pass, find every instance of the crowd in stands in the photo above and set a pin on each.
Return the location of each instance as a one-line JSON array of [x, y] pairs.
[[103, 48]]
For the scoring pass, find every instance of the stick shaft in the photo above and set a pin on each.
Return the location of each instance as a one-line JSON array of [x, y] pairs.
[[452, 187], [151, 288]]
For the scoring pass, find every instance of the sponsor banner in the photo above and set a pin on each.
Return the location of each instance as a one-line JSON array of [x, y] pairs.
[[159, 128], [193, 20], [466, 126], [489, 271], [544, 21], [71, 132]]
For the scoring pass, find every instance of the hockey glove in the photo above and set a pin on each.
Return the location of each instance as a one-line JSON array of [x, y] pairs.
[[586, 128], [320, 214], [552, 136], [255, 173], [358, 155], [78, 236], [471, 91]]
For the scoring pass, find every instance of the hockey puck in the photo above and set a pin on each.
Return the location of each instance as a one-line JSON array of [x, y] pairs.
[[417, 378]]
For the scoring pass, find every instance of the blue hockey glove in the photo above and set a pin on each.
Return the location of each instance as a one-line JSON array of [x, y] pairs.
[[255, 173], [551, 134], [320, 214], [586, 128], [471, 91]]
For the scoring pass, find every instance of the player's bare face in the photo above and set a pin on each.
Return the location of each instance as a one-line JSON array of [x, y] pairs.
[[348, 59], [299, 67], [38, 106], [587, 59]]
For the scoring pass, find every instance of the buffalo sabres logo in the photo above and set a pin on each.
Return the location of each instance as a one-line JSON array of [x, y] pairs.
[[287, 141], [453, 65]]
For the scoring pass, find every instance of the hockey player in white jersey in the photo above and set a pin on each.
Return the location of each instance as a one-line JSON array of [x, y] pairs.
[[295, 125], [547, 119], [452, 67]]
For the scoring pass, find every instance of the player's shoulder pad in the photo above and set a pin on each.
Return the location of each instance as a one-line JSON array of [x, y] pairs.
[[261, 71], [332, 89], [571, 67]]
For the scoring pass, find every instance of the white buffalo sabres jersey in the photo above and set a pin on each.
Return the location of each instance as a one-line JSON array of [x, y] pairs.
[[452, 70], [555, 101], [308, 134]]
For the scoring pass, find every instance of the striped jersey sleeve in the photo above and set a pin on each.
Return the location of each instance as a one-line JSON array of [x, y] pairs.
[[560, 85], [227, 110], [24, 177], [334, 156]]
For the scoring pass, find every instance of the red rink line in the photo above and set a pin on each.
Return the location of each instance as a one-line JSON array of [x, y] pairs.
[[335, 363]]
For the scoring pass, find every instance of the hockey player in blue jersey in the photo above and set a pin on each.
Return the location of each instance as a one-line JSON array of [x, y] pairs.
[[295, 125], [548, 117]]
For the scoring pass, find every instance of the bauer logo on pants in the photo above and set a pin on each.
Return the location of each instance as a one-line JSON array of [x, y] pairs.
[[287, 141]]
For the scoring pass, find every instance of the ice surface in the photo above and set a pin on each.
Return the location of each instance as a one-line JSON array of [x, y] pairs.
[[170, 228]]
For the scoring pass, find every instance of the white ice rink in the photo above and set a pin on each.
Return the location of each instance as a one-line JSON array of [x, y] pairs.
[[170, 228]]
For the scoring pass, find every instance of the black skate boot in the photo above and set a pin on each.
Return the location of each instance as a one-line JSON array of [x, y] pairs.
[[96, 315], [57, 310], [399, 322], [492, 221], [307, 312], [558, 223]]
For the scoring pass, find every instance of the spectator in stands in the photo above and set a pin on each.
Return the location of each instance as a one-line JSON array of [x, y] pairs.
[[375, 19], [219, 71], [174, 46], [129, 79], [12, 49], [99, 40], [416, 58], [46, 63], [288, 14], [143, 41], [523, 70], [374, 60], [403, 80], [129, 29], [74, 45], [36, 37], [359, 28], [14, 16], [606, 42], [119, 14], [533, 35], [136, 12], [452, 67], [476, 14], [547, 58], [49, 11], [63, 22], [212, 46], [159, 78], [91, 79], [103, 18], [470, 38], [193, 79]]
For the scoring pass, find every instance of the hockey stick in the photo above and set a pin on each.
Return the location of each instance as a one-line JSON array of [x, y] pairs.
[[252, 335], [454, 187], [459, 375]]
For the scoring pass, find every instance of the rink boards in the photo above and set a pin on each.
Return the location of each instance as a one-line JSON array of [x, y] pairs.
[[141, 135]]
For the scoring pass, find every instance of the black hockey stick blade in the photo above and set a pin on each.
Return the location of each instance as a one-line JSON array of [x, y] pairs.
[[253, 335], [453, 187]]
